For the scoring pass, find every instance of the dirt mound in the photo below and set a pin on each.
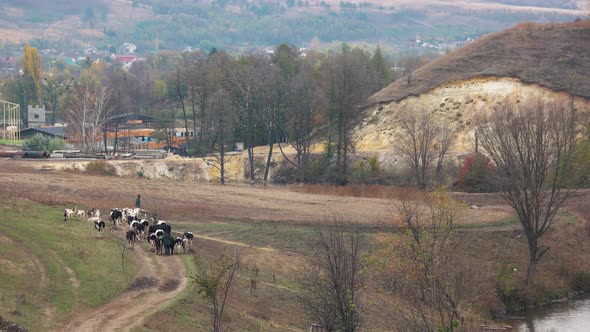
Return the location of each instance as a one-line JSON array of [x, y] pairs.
[[556, 56], [8, 326]]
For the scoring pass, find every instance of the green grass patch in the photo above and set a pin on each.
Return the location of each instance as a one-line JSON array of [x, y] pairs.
[[95, 263], [504, 222], [263, 234], [11, 142]]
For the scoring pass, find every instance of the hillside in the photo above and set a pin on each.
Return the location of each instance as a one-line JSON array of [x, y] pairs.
[[246, 24], [556, 56], [550, 62]]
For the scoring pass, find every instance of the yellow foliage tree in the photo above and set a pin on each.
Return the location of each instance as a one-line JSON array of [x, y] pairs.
[[32, 73]]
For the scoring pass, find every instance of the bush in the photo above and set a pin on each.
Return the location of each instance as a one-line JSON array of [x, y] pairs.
[[100, 168], [474, 175], [367, 171], [43, 143]]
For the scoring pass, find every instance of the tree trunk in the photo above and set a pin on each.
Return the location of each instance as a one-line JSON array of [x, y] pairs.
[[533, 260], [269, 157]]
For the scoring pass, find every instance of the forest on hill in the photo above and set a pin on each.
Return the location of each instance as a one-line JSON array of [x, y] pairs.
[[244, 24]]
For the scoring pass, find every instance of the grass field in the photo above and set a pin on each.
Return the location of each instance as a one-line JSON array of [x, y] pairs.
[[59, 268], [10, 142]]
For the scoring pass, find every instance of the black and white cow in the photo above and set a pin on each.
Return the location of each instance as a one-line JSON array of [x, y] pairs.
[[155, 243], [99, 225], [178, 243], [131, 236], [189, 237]]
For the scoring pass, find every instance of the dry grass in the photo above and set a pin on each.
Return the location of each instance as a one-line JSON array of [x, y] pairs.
[[552, 55], [368, 191]]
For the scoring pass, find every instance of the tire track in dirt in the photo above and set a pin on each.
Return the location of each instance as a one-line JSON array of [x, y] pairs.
[[131, 307]]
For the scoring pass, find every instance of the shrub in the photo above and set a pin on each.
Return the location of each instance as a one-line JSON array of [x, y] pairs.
[[100, 168], [474, 175], [367, 171], [43, 143]]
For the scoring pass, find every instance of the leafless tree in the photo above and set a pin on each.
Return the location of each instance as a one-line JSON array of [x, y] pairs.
[[425, 138], [222, 111], [532, 144], [411, 62], [178, 86], [214, 283], [304, 104], [88, 109], [245, 89], [346, 77], [333, 277]]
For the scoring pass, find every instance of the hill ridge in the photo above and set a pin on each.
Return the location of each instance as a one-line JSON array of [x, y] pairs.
[[521, 52]]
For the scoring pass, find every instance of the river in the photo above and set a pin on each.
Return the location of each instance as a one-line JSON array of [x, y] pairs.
[[569, 316]]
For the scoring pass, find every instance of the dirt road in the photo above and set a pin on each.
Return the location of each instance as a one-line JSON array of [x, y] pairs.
[[159, 281]]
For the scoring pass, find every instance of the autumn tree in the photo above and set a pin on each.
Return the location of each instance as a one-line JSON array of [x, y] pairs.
[[531, 144], [425, 140], [28, 89], [435, 284]]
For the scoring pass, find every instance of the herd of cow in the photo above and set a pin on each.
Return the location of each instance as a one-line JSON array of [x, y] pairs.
[[158, 233]]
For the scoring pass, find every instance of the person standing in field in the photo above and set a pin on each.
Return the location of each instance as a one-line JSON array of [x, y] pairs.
[[138, 201]]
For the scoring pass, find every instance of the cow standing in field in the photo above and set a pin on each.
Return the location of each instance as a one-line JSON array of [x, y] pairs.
[[188, 236], [155, 243], [99, 225], [116, 216], [131, 237]]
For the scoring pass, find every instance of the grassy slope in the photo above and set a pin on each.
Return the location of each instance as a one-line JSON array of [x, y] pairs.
[[556, 56], [40, 230]]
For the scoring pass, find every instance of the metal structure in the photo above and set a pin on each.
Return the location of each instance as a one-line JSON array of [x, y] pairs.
[[10, 121]]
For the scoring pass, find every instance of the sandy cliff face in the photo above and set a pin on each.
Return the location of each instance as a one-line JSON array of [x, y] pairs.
[[458, 101]]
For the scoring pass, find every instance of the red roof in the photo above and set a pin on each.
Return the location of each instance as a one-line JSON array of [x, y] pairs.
[[126, 58]]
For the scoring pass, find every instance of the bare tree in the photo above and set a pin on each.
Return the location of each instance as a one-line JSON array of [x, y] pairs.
[[411, 62], [245, 88], [532, 144], [304, 104], [222, 111], [214, 283], [347, 84], [334, 277], [425, 138], [88, 110]]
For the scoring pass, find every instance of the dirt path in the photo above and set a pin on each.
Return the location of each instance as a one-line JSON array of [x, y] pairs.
[[154, 288]]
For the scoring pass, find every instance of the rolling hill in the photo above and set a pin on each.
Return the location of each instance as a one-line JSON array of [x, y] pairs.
[[245, 24]]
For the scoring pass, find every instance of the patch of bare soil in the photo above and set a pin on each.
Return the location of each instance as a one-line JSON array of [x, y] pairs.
[[169, 285], [143, 283], [141, 300]]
